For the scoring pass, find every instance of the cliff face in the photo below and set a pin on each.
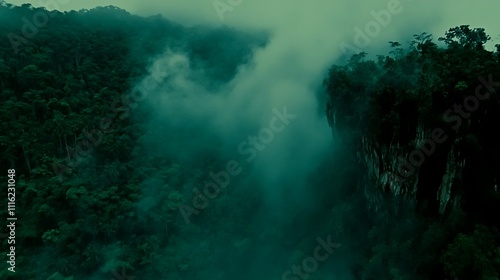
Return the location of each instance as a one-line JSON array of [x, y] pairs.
[[422, 128], [420, 172], [423, 124]]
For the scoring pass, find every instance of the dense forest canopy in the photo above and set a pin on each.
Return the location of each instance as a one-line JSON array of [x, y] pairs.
[[109, 184]]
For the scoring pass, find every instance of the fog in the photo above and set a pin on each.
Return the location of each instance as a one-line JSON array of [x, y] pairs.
[[284, 76]]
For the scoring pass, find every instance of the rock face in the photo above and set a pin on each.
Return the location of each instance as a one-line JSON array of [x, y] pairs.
[[393, 170]]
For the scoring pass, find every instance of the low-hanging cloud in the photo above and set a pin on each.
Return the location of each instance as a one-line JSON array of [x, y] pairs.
[[304, 40]]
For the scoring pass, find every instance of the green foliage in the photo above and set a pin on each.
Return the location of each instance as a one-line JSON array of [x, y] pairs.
[[58, 85], [465, 37], [386, 105], [475, 255], [117, 207]]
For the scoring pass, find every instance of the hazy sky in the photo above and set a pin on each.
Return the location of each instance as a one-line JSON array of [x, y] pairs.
[[433, 16]]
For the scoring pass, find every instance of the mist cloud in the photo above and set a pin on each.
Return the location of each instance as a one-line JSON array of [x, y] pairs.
[[304, 40]]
